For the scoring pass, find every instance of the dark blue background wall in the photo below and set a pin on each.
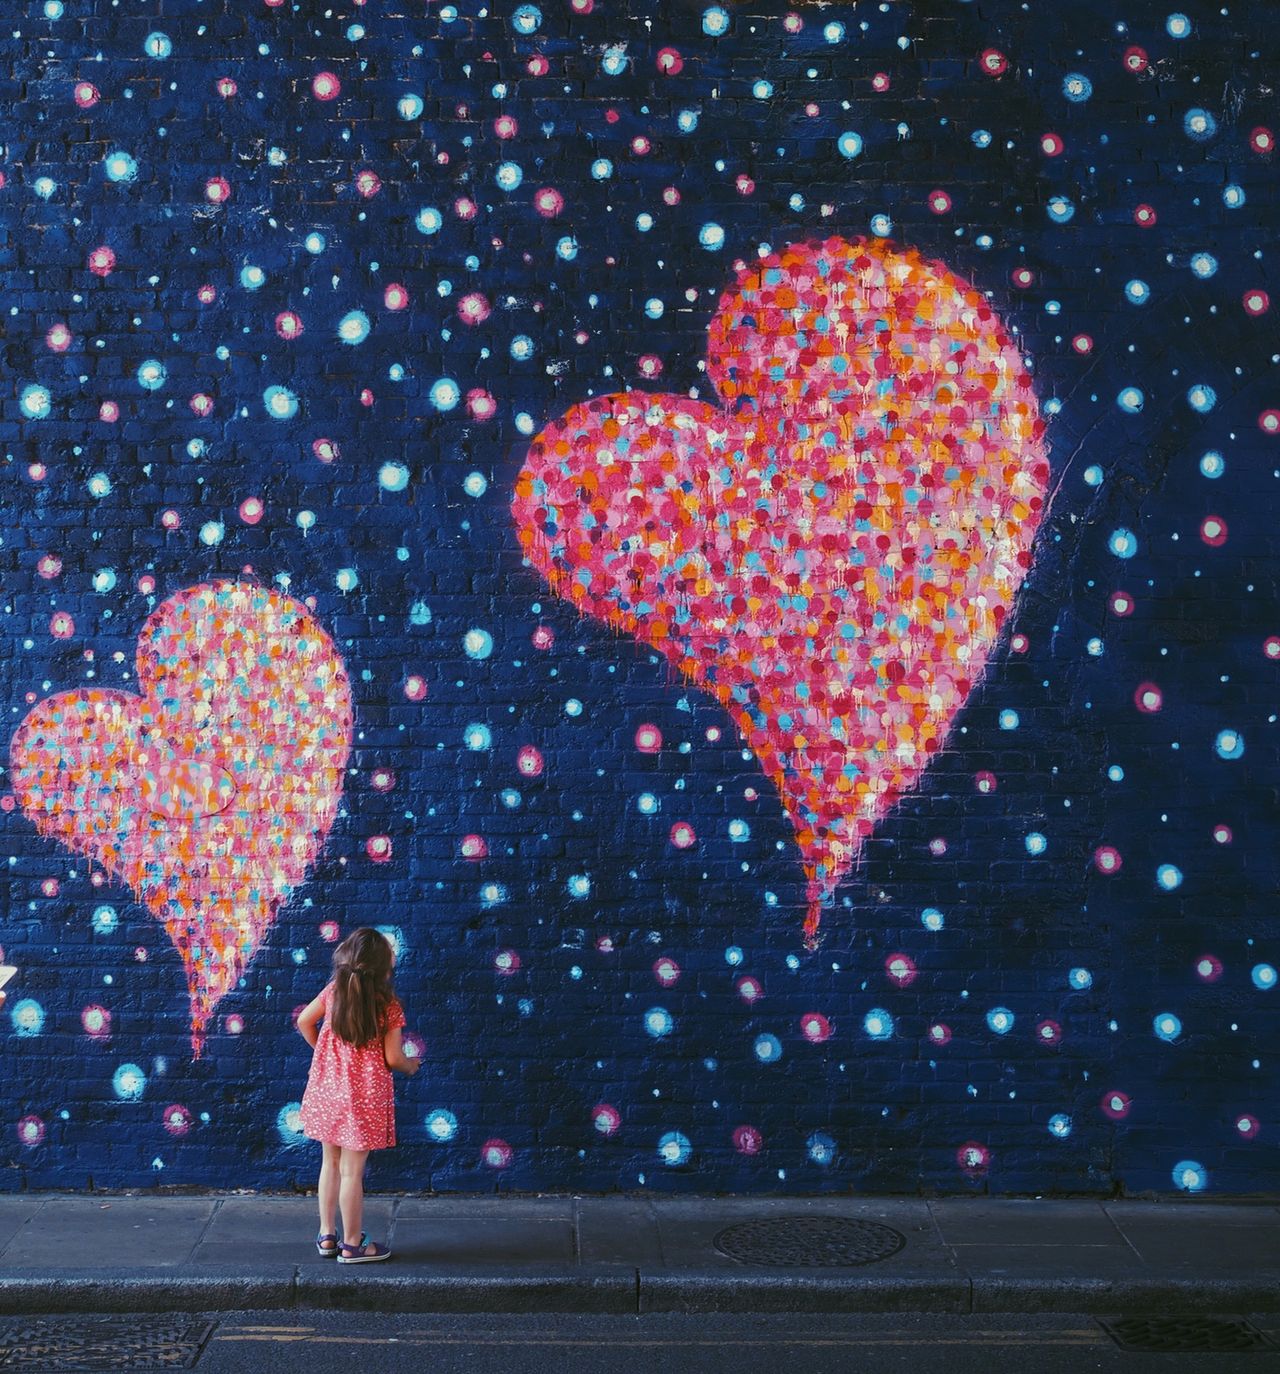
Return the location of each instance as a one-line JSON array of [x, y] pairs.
[[523, 1057]]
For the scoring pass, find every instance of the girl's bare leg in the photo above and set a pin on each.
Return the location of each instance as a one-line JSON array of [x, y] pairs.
[[351, 1194], [329, 1176]]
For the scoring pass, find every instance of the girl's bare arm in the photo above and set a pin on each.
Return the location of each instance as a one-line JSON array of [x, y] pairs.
[[393, 1051], [309, 1019]]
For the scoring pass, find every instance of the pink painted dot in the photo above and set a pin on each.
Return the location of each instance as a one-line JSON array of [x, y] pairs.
[[326, 86], [669, 61], [1135, 60], [1145, 216], [1082, 343], [1222, 834], [368, 183], [666, 971], [102, 261], [480, 404], [1262, 140], [1148, 698], [30, 1131], [985, 783], [473, 847], [880, 82], [1247, 1125], [1213, 530], [604, 945], [61, 625], [37, 472], [973, 1158], [109, 412], [815, 1027], [683, 835], [747, 1140], [496, 1154], [648, 739], [1120, 604], [326, 450], [937, 846], [993, 62], [415, 687], [140, 954], [1271, 647], [939, 1034], [1209, 968], [207, 294], [49, 566], [650, 366], [251, 509], [670, 195], [1256, 302], [1116, 1105], [234, 1024], [382, 780], [641, 146], [171, 520], [1022, 277], [1051, 145], [378, 848], [146, 584], [59, 338], [1048, 1033], [537, 65], [901, 969], [465, 208], [505, 126], [1269, 422], [506, 962], [86, 94], [939, 202], [1019, 644], [473, 308], [49, 887], [548, 202], [96, 1021], [289, 324], [749, 989], [544, 637], [395, 297], [606, 1118], [226, 87], [529, 761], [177, 1119], [1106, 859], [329, 932]]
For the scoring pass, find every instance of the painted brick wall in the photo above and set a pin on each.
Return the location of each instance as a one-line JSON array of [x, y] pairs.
[[289, 290]]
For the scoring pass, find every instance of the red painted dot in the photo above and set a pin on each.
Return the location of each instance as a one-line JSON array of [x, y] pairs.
[[939, 202], [1213, 530], [880, 82], [1082, 343], [1048, 1033], [395, 297], [1051, 145], [378, 848], [87, 95], [326, 450], [747, 1140], [289, 324], [683, 835], [1262, 140], [415, 687], [815, 1027], [1145, 215], [1022, 276], [1116, 1105], [984, 783], [473, 847], [1256, 302], [1106, 859], [669, 61], [1271, 647], [1120, 604], [1135, 60], [325, 86], [217, 190], [993, 62], [251, 509], [648, 739], [548, 202]]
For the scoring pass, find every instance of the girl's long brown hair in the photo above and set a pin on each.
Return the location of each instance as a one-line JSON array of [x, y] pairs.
[[361, 986]]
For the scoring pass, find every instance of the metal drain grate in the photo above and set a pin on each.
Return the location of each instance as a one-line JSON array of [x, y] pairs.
[[1186, 1335], [804, 1242], [72, 1345]]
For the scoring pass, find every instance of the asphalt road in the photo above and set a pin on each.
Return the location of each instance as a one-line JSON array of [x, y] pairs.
[[883, 1344]]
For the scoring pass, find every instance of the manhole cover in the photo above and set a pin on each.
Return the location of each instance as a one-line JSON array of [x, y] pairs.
[[63, 1345], [1186, 1335], [796, 1242]]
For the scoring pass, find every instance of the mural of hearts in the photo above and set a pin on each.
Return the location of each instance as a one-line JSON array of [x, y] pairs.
[[212, 791], [831, 551]]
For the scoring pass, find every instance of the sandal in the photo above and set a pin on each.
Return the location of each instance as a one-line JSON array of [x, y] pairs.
[[330, 1250], [358, 1254]]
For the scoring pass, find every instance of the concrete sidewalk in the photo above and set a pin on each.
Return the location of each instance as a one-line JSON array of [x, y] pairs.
[[628, 1254]]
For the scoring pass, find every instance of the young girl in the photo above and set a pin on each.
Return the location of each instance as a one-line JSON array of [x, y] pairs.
[[348, 1105]]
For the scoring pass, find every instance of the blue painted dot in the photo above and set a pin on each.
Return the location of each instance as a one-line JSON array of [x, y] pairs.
[[289, 1125], [1166, 1026], [1076, 87], [878, 1024], [1190, 1176], [1131, 400], [1264, 977], [674, 1149], [849, 144], [1123, 543], [1199, 125], [658, 1022], [441, 1124], [1080, 979], [1169, 877], [27, 1017], [1060, 1125], [1000, 1020], [128, 1082], [1229, 744], [821, 1148], [445, 393], [280, 403], [353, 327], [768, 1048], [152, 374]]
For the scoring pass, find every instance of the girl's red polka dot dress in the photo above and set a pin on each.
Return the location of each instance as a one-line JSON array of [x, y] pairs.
[[349, 1099]]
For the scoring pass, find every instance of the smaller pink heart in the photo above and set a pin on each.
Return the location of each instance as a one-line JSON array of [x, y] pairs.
[[212, 791]]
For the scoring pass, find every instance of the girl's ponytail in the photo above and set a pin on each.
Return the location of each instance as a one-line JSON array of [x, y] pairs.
[[361, 986]]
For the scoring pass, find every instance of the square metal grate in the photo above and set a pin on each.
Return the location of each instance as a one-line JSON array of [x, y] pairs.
[[1187, 1335], [73, 1345]]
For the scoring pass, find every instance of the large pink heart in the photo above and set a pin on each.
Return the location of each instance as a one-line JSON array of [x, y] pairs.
[[832, 550], [211, 793]]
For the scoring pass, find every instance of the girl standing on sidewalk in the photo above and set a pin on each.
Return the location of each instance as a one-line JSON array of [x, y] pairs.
[[348, 1105]]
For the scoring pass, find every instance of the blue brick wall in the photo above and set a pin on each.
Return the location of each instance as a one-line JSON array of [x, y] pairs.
[[1107, 1027]]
